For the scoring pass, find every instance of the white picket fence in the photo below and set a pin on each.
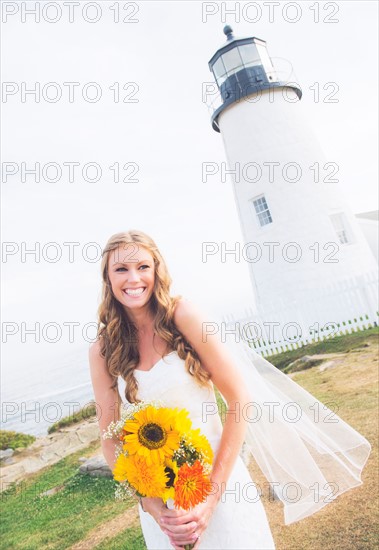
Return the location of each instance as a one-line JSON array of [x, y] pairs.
[[339, 308]]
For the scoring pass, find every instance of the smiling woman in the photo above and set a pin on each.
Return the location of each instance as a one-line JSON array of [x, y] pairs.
[[151, 347], [134, 278], [152, 343]]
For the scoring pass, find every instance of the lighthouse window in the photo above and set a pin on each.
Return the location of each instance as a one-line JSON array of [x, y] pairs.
[[219, 71], [249, 54], [262, 211], [232, 60], [340, 227]]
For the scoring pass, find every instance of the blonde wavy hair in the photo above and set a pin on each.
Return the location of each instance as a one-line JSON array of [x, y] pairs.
[[118, 334]]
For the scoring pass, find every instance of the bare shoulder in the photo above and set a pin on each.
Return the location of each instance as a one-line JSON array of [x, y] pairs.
[[185, 311], [193, 322], [203, 333]]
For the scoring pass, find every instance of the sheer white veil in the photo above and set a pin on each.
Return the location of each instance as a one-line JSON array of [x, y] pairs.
[[304, 449]]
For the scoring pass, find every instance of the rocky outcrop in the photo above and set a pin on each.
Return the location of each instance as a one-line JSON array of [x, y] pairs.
[[6, 457], [47, 450], [96, 466], [309, 361]]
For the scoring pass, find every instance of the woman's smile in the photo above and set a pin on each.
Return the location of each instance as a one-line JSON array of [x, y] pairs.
[[134, 292]]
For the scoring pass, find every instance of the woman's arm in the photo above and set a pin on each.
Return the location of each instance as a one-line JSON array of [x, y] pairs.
[[215, 358], [108, 401], [108, 409]]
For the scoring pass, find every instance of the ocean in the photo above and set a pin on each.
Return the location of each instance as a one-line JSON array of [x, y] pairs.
[[38, 389]]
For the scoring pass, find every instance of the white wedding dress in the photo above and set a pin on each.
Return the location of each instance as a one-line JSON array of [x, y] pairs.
[[239, 520]]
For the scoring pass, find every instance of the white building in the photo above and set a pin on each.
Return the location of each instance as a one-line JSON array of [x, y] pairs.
[[303, 244], [369, 224]]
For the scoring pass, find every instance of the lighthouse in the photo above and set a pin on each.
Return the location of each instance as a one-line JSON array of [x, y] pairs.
[[299, 234]]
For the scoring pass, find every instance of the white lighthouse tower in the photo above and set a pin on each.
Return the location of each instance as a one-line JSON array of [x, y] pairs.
[[299, 234]]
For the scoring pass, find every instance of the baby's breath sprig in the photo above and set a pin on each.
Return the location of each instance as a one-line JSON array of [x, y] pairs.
[[123, 491], [207, 467]]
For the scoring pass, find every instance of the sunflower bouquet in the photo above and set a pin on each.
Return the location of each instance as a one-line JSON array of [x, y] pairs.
[[160, 455]]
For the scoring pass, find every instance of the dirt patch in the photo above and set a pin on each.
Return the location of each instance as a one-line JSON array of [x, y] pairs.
[[110, 528], [349, 521]]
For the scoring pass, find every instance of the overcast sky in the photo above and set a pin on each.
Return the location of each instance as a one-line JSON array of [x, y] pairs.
[[163, 130]]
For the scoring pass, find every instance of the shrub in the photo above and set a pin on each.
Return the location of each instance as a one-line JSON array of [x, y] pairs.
[[87, 411], [13, 440]]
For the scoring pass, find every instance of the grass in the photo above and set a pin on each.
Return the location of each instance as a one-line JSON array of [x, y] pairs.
[[31, 521], [84, 504], [85, 412], [338, 344], [351, 391], [131, 538]]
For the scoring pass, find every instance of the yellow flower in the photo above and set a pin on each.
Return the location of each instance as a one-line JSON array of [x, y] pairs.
[[171, 470], [154, 433], [200, 444], [119, 470], [182, 420], [147, 480]]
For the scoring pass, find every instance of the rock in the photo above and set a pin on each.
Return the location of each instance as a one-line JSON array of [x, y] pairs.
[[6, 454], [7, 461], [88, 433], [327, 365], [305, 359], [52, 491], [47, 450], [11, 474], [304, 362], [19, 450], [309, 361], [96, 467]]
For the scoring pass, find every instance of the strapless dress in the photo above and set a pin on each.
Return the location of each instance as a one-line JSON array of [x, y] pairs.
[[239, 521]]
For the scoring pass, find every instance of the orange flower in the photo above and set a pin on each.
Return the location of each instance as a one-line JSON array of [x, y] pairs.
[[191, 486]]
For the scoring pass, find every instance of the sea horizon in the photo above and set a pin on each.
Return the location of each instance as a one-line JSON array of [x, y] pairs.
[[54, 388]]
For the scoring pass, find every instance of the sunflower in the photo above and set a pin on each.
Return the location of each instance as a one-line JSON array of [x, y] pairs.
[[182, 420], [119, 470], [146, 480], [171, 471], [154, 433], [192, 486]]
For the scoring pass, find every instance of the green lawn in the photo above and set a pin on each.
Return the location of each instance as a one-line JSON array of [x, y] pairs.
[[338, 344], [56, 522], [129, 539], [30, 521]]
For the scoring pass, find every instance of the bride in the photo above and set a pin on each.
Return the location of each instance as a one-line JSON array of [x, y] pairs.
[[151, 345]]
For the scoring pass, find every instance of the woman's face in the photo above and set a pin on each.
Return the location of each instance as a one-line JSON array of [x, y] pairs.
[[131, 273]]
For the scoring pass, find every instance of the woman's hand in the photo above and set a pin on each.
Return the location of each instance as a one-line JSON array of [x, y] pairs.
[[186, 527], [155, 507]]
